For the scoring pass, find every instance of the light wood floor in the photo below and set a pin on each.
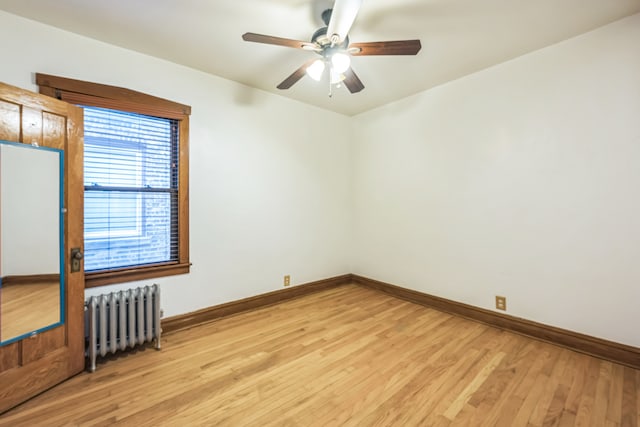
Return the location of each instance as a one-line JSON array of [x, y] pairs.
[[348, 356], [27, 307]]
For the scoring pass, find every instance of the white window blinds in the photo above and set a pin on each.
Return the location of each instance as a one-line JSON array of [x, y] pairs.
[[131, 189]]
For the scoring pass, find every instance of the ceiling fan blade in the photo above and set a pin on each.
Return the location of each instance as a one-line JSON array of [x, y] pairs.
[[295, 76], [352, 82], [278, 41], [399, 47], [342, 17]]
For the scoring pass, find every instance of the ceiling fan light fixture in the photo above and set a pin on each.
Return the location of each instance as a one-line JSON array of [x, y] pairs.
[[332, 44], [336, 77], [316, 69], [340, 62]]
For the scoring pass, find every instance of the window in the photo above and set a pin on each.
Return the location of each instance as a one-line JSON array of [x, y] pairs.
[[130, 189], [135, 181]]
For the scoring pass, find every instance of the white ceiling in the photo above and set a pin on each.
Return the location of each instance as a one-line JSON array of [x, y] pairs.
[[458, 37]]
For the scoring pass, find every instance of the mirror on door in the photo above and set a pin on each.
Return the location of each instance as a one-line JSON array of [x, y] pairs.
[[31, 243]]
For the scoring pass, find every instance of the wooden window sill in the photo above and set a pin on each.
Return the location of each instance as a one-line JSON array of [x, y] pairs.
[[99, 278]]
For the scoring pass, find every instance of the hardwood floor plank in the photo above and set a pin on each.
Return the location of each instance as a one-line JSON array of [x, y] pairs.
[[456, 406], [630, 399], [586, 406], [599, 414], [515, 370], [426, 381], [637, 397], [397, 384], [576, 389], [614, 409], [346, 356], [567, 419], [545, 413]]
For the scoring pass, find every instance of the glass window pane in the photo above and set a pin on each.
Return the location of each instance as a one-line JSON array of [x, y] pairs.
[[130, 175], [123, 239]]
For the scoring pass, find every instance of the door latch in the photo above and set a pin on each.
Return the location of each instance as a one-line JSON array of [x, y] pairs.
[[76, 256]]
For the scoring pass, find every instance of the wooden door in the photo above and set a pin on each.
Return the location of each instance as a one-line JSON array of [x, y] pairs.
[[34, 364]]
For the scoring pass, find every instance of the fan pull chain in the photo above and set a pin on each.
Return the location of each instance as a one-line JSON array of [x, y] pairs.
[[330, 88]]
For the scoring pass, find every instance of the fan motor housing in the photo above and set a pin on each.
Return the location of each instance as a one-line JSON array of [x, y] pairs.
[[320, 37]]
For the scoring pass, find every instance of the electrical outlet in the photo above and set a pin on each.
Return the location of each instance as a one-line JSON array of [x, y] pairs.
[[287, 280], [501, 303]]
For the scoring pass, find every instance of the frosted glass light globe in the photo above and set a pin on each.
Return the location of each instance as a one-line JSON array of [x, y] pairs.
[[316, 69], [340, 62]]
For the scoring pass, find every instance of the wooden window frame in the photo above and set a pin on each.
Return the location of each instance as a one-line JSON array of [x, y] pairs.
[[122, 99]]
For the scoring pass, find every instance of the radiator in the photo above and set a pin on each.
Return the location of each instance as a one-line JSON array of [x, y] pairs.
[[120, 320]]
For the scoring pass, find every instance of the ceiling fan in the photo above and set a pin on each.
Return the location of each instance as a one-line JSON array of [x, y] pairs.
[[333, 46]]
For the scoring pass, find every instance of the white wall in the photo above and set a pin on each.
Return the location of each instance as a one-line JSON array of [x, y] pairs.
[[269, 192], [521, 180]]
